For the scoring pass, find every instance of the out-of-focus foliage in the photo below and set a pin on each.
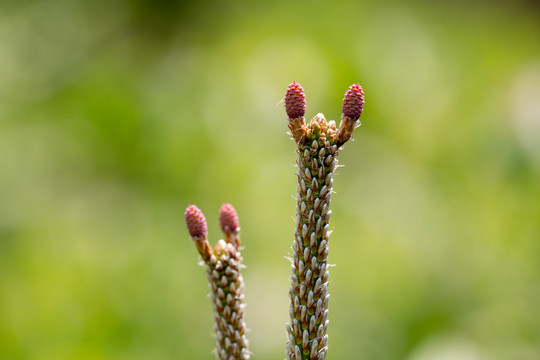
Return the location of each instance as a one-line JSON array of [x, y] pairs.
[[115, 115]]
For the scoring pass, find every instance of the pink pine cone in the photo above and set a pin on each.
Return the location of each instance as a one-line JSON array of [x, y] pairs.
[[228, 218], [353, 102], [195, 221], [295, 101]]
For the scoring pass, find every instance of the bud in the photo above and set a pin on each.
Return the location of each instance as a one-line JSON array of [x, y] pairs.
[[196, 222], [295, 101], [228, 219], [353, 102], [220, 248]]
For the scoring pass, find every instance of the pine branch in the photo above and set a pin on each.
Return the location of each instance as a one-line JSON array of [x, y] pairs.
[[223, 265], [317, 147]]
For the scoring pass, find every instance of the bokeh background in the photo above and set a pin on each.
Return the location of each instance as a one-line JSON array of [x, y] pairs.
[[115, 115]]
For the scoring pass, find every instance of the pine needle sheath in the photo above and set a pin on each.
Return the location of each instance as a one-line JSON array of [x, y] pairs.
[[317, 146], [223, 265]]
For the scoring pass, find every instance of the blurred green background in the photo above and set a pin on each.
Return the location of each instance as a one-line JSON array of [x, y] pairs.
[[115, 115]]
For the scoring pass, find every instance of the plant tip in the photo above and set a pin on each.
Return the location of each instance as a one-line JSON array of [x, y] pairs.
[[228, 219], [353, 102], [196, 222], [295, 101]]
